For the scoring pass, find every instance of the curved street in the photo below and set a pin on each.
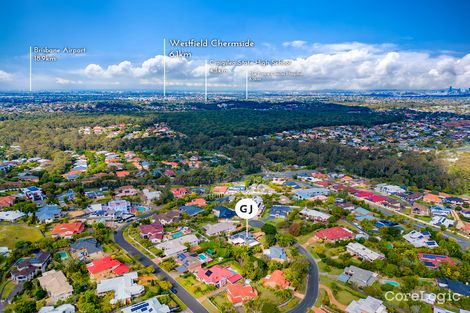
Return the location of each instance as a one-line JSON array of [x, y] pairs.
[[192, 303], [311, 293], [185, 296]]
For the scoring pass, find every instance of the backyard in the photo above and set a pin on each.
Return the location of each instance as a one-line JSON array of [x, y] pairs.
[[10, 234]]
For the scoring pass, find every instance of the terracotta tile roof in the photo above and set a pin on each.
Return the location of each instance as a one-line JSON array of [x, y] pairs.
[[122, 173], [220, 189], [238, 293], [217, 273], [68, 229], [334, 233], [107, 263], [276, 279], [7, 201]]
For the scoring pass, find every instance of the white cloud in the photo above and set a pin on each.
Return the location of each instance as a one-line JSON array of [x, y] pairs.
[[295, 43], [349, 65], [64, 81], [4, 76]]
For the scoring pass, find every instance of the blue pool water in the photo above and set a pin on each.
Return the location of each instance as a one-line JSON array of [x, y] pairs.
[[391, 282], [176, 235]]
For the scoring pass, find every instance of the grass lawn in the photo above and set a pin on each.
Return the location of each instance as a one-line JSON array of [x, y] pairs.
[[276, 222], [321, 295], [209, 306], [195, 287], [290, 305], [9, 284], [220, 300], [270, 295], [332, 270], [10, 234], [345, 294]]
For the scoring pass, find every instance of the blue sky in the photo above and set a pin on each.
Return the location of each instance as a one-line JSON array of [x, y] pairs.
[[117, 31]]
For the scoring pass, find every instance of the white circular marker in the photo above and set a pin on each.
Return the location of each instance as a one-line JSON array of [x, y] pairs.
[[246, 208]]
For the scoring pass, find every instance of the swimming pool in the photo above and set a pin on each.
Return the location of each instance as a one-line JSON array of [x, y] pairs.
[[63, 255], [202, 257], [391, 282], [177, 235]]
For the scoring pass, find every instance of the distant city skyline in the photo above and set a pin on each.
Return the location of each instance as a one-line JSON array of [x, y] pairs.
[[343, 45]]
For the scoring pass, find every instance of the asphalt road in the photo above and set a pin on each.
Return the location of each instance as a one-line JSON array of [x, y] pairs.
[[185, 296], [311, 293], [192, 303]]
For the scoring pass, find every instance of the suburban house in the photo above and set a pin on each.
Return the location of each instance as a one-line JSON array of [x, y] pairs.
[[122, 174], [220, 190], [48, 213], [223, 212], [291, 184], [362, 214], [67, 230], [236, 189], [7, 201], [168, 217], [237, 293], [306, 194], [191, 262], [64, 308], [175, 246], [432, 198], [191, 210], [105, 268], [56, 285], [217, 275], [126, 191], [367, 305], [442, 220], [219, 228], [456, 286], [348, 206], [413, 197], [315, 215], [33, 193], [201, 202], [433, 261], [151, 305], [124, 287], [279, 180], [334, 234], [420, 209], [420, 239], [179, 192], [153, 232], [280, 211], [11, 216], [454, 201], [276, 280], [364, 253], [26, 268], [86, 249], [276, 254], [242, 238], [389, 189], [357, 276], [150, 196]]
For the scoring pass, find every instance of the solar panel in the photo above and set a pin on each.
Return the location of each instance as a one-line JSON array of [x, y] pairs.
[[140, 307]]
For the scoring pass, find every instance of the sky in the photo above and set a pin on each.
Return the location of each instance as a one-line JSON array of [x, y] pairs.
[[343, 45]]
